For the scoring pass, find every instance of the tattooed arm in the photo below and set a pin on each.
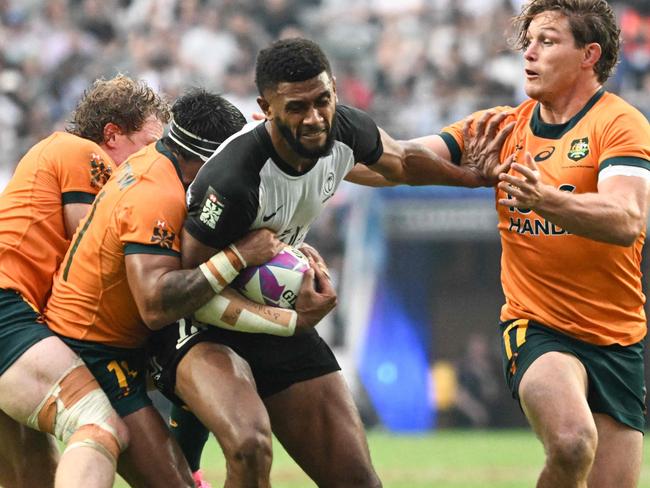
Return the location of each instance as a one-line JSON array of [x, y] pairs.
[[163, 292]]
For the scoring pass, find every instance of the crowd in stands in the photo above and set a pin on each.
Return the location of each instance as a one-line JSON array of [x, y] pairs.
[[415, 65]]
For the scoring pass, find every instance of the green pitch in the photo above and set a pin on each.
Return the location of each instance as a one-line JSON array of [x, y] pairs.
[[444, 459]]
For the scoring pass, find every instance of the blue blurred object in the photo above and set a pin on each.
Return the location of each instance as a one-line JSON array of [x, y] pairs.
[[394, 367]]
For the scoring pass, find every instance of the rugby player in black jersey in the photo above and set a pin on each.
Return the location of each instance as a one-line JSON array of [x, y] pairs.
[[279, 174]]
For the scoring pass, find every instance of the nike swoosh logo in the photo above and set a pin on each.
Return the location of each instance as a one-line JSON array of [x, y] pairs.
[[180, 343], [270, 216]]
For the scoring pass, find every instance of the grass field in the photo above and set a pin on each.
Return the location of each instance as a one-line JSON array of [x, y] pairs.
[[444, 459]]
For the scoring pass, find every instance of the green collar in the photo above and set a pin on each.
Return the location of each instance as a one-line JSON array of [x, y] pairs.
[[162, 149], [556, 131]]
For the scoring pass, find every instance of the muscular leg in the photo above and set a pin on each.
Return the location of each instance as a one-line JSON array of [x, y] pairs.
[[553, 396], [619, 455], [318, 424], [28, 382], [153, 459], [218, 386], [27, 457]]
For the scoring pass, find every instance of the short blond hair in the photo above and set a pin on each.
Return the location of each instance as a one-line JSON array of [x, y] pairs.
[[121, 100]]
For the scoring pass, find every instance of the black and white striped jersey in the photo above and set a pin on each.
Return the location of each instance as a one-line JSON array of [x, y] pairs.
[[245, 185]]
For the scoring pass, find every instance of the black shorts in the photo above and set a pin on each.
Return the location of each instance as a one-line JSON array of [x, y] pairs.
[[615, 373], [276, 362]]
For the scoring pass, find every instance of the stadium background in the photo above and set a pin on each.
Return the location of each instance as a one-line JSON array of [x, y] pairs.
[[417, 269]]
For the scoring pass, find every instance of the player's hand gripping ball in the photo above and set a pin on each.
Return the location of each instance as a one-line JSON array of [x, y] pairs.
[[276, 282]]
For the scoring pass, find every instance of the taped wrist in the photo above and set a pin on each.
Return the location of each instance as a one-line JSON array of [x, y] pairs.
[[245, 316], [222, 268]]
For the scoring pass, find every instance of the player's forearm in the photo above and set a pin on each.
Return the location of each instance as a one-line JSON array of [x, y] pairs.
[[424, 167], [230, 310], [607, 218], [181, 292]]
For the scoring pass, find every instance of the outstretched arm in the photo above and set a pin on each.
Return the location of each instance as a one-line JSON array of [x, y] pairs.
[[426, 160], [411, 163]]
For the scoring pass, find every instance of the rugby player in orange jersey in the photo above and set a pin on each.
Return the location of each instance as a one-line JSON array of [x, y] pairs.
[[122, 278], [572, 217], [51, 190]]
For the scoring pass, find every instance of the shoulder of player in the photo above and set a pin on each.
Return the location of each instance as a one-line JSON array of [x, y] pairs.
[[348, 118], [149, 176], [70, 147], [612, 107], [236, 165]]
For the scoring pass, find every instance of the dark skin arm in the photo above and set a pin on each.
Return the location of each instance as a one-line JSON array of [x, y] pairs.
[[482, 142], [316, 299], [165, 292], [412, 163]]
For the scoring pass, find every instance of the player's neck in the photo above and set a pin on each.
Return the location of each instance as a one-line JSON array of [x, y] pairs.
[[560, 108]]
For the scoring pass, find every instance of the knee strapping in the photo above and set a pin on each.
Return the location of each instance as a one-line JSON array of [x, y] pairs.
[[97, 438], [77, 411]]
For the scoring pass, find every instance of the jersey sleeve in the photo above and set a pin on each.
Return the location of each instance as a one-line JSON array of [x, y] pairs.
[[452, 135], [356, 129], [150, 229], [625, 142], [82, 169], [222, 205]]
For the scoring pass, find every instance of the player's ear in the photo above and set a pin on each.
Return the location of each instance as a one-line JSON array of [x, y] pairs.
[[265, 106], [592, 54], [111, 131], [336, 97]]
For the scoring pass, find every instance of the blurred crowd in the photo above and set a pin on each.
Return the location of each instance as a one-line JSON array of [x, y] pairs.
[[416, 65]]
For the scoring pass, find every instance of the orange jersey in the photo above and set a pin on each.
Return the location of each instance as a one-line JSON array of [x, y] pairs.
[[140, 211], [587, 289], [60, 169]]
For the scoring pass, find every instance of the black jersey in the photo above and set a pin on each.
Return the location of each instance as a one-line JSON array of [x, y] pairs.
[[245, 185]]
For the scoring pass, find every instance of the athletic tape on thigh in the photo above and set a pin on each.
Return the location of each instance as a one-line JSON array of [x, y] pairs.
[[74, 403]]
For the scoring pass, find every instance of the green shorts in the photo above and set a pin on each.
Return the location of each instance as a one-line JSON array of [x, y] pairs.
[[615, 373], [121, 372], [20, 328]]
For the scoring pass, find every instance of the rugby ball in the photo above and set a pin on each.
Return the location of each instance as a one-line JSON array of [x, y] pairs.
[[275, 283]]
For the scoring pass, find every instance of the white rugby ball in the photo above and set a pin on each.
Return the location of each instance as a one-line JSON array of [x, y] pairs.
[[276, 282]]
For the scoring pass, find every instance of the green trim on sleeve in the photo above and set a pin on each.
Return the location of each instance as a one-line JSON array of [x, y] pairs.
[[625, 161], [452, 145], [136, 248], [77, 197]]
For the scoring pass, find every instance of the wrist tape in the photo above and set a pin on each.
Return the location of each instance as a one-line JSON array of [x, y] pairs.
[[222, 268]]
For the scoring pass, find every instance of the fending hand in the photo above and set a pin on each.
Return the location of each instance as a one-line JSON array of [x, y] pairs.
[[482, 147]]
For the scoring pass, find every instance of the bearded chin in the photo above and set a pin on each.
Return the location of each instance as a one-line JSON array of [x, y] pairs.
[[303, 151]]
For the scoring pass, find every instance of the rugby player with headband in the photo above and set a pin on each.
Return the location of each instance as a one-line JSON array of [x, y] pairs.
[[106, 313]]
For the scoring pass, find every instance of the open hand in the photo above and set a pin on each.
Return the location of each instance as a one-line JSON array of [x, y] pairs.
[[482, 150], [525, 191]]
